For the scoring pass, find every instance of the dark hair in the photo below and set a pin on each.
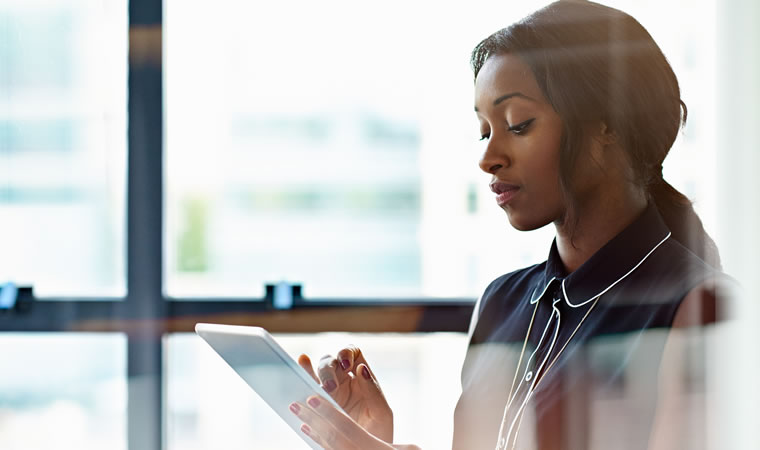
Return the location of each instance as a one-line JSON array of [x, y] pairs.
[[596, 64]]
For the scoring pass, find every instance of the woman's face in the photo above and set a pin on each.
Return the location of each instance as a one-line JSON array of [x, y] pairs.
[[522, 134]]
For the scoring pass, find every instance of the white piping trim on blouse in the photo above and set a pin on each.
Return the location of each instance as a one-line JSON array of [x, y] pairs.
[[519, 414], [577, 305], [533, 301], [564, 292]]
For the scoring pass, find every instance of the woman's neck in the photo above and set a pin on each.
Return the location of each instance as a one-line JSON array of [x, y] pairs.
[[598, 222]]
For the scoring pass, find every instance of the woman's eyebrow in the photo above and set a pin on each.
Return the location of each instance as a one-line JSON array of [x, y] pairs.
[[507, 97]]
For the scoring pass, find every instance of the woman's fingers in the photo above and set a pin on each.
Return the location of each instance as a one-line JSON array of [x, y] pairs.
[[318, 429], [339, 377], [350, 357], [371, 389], [333, 379], [333, 429], [305, 362], [305, 429], [331, 374]]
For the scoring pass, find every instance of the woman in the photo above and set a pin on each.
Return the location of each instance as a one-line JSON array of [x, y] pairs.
[[578, 108]]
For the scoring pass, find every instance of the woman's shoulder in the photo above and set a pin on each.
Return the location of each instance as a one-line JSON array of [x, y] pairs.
[[678, 266], [678, 281], [499, 305], [512, 286]]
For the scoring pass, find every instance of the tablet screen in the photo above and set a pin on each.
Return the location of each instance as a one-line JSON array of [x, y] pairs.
[[265, 367]]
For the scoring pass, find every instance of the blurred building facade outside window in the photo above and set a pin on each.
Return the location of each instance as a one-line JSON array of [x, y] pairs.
[[63, 390], [63, 136]]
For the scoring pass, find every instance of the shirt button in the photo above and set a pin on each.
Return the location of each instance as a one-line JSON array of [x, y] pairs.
[[529, 376]]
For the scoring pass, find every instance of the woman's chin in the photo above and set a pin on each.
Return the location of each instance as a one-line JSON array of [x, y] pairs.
[[522, 223]]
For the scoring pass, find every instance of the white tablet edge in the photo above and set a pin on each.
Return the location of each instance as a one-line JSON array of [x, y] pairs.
[[259, 332]]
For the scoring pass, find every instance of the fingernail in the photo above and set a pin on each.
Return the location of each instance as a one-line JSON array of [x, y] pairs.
[[295, 408], [314, 402], [330, 385], [365, 373], [305, 429], [345, 364]]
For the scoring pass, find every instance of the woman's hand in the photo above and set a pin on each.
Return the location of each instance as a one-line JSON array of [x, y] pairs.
[[334, 430], [354, 387]]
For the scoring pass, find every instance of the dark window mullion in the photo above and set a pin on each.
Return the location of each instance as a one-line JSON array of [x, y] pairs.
[[144, 301]]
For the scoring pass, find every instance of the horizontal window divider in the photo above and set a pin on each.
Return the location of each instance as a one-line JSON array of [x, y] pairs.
[[181, 315], [327, 315], [231, 302], [60, 315]]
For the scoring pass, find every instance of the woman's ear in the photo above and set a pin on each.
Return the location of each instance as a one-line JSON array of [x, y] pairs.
[[602, 140], [605, 135]]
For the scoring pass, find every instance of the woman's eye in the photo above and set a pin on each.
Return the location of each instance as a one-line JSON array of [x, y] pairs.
[[520, 127], [484, 137]]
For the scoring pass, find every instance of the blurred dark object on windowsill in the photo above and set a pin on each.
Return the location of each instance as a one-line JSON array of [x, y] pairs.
[[17, 299]]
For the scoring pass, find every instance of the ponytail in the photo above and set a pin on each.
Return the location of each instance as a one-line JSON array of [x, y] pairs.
[[680, 217]]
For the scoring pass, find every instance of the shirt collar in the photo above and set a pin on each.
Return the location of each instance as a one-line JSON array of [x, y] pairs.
[[613, 262]]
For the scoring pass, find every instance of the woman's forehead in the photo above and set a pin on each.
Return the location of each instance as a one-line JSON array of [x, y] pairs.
[[502, 75]]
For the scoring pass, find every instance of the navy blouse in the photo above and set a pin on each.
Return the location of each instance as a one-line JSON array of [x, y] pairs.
[[568, 384]]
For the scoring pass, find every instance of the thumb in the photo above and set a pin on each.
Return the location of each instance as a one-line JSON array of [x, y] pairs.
[[370, 387]]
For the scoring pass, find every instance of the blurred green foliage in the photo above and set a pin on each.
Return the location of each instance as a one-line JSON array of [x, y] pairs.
[[192, 245]]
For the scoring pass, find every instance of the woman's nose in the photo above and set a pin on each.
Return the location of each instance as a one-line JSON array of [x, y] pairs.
[[493, 158]]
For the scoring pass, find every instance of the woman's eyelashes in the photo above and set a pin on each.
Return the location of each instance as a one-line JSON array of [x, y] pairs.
[[517, 129], [521, 127]]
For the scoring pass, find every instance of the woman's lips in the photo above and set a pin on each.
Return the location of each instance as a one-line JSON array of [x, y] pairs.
[[505, 192], [506, 196]]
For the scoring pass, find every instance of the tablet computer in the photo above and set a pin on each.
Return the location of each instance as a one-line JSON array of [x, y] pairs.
[[254, 354]]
